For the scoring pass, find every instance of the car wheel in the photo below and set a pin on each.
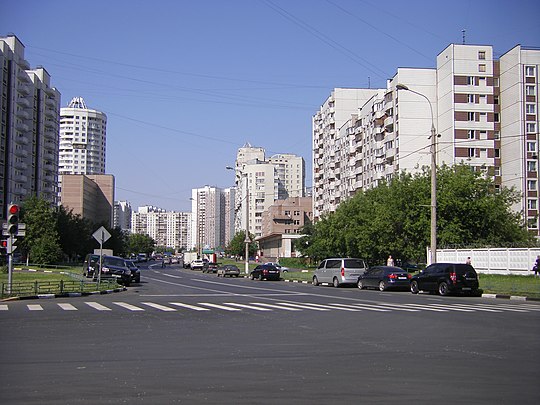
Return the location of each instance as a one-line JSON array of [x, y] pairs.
[[260, 277], [315, 281], [335, 282], [361, 284], [251, 277], [382, 286], [443, 288], [414, 287]]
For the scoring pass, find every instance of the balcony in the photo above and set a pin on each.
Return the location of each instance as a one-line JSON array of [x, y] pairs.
[[20, 178], [21, 140], [22, 127], [23, 153], [22, 114], [20, 165], [24, 89], [23, 102]]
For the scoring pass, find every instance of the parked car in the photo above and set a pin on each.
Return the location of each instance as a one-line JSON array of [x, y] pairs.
[[339, 271], [384, 278], [90, 265], [210, 268], [197, 264], [115, 267], [228, 270], [135, 271], [446, 278], [281, 268], [265, 271]]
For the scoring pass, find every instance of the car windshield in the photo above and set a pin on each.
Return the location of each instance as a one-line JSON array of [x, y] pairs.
[[354, 263], [130, 264], [114, 261]]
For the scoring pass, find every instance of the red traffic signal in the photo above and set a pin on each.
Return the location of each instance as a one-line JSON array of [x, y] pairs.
[[3, 244], [13, 219]]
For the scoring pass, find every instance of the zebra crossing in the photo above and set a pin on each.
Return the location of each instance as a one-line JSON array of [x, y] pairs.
[[286, 306]]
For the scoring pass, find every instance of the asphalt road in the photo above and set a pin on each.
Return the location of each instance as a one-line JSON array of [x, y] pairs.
[[186, 337]]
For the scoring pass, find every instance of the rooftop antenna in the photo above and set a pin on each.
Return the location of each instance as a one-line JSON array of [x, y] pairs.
[[463, 37]]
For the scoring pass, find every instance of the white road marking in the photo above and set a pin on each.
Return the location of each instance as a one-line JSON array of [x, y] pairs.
[[264, 304], [97, 306], [67, 307], [193, 307], [35, 307], [160, 307], [247, 306], [128, 306], [208, 304]]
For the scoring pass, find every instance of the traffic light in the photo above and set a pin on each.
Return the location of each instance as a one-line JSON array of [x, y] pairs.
[[13, 219], [3, 247]]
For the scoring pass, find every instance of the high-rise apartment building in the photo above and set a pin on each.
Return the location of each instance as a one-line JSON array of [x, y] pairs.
[[29, 109], [484, 111], [122, 215], [262, 181], [167, 228], [82, 139]]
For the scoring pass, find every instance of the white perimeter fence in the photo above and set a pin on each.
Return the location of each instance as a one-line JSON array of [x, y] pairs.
[[493, 261]]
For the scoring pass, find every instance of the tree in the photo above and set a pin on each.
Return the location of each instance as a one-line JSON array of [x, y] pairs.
[[394, 217], [140, 243], [41, 241], [237, 245], [75, 233]]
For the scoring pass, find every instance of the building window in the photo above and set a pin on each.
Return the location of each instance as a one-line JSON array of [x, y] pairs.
[[470, 116], [482, 55], [531, 165], [470, 98], [531, 127], [497, 171], [531, 185], [470, 134], [531, 146], [532, 204], [470, 80], [531, 108], [496, 135], [482, 67], [532, 223], [529, 71], [497, 153], [470, 152], [496, 117], [530, 90]]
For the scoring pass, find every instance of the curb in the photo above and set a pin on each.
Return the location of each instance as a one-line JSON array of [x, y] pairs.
[[65, 295]]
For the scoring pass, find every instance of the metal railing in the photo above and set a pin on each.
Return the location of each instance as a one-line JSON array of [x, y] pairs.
[[35, 288]]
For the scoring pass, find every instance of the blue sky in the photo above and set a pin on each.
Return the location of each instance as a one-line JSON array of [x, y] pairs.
[[186, 83]]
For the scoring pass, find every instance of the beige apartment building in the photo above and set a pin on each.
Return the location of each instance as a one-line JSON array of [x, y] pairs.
[[29, 109], [91, 196], [484, 111]]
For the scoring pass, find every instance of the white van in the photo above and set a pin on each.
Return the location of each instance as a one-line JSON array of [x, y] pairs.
[[338, 271]]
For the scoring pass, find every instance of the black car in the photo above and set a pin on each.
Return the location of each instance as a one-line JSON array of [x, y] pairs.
[[91, 264], [210, 267], [384, 278], [228, 270], [135, 271], [265, 271], [446, 278], [114, 267]]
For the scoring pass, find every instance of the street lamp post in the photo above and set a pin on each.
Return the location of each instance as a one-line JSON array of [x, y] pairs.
[[247, 240], [433, 242]]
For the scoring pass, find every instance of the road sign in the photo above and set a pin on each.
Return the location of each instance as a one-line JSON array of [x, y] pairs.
[[101, 235]]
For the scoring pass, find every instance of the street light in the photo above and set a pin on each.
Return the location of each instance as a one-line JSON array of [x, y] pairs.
[[247, 241], [433, 247]]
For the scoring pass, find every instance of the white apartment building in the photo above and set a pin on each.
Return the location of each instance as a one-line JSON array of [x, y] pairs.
[[484, 113], [167, 228], [208, 219], [261, 182], [82, 139], [29, 109], [122, 215]]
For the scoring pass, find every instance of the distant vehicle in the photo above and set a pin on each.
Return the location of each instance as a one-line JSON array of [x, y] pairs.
[[211, 268], [228, 270], [135, 271], [197, 264], [339, 271], [188, 258], [142, 257], [114, 267], [281, 268], [265, 271], [446, 279], [384, 278]]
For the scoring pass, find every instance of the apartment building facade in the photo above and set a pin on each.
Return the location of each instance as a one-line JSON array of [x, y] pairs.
[[29, 109], [261, 181], [122, 215], [208, 219], [478, 106], [167, 228]]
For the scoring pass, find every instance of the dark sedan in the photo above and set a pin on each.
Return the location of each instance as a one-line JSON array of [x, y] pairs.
[[228, 270], [265, 272], [384, 278], [210, 267], [113, 267]]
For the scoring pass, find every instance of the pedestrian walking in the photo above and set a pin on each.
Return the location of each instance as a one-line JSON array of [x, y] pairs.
[[468, 261], [536, 267], [390, 261]]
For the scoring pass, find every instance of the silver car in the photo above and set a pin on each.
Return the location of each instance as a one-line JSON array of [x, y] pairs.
[[338, 271]]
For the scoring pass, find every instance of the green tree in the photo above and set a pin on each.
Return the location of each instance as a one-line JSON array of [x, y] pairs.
[[75, 233], [237, 246], [41, 241], [140, 243]]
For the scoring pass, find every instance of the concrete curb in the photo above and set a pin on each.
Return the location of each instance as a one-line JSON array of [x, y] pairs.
[[65, 295]]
